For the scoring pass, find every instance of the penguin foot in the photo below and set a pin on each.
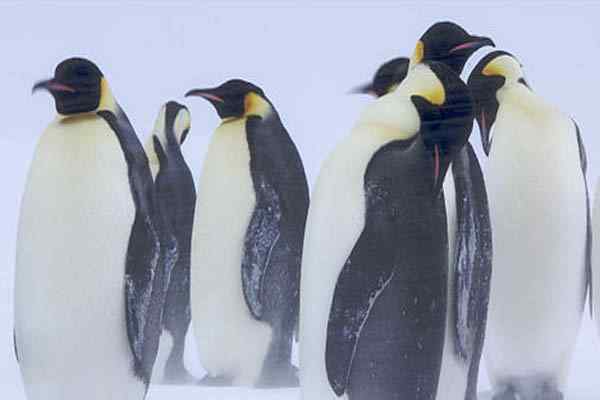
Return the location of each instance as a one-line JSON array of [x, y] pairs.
[[505, 394], [179, 377], [283, 377], [218, 381], [549, 393]]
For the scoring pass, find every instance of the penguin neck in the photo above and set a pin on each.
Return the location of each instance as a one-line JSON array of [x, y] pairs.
[[521, 97], [392, 116]]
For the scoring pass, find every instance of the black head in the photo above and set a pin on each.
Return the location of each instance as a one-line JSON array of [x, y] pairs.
[[448, 43], [445, 127], [388, 76], [491, 74], [177, 121], [235, 98], [76, 86]]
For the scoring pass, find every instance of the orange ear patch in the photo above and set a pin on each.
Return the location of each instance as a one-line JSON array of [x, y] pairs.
[[254, 104]]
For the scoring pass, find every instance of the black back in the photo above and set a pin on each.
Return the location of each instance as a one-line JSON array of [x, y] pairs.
[[386, 328], [176, 197], [150, 254], [472, 264], [274, 239]]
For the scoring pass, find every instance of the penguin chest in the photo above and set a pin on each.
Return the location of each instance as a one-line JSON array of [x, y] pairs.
[[537, 191], [74, 227], [538, 215], [223, 324]]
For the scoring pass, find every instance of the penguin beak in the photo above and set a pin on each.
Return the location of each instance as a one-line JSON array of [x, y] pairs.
[[208, 94], [473, 44], [52, 86], [484, 128], [366, 88]]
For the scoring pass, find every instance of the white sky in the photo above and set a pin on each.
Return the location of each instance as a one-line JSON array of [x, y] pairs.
[[305, 56]]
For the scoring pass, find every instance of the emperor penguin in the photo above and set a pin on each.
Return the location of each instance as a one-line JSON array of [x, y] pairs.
[[247, 242], [539, 210], [91, 268], [468, 221], [176, 200], [374, 272]]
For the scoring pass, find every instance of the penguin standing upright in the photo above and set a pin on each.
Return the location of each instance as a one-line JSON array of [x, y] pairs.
[[375, 263], [539, 211], [91, 268], [469, 230], [176, 200], [247, 242]]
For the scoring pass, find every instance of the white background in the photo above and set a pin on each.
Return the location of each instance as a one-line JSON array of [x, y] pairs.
[[305, 57]]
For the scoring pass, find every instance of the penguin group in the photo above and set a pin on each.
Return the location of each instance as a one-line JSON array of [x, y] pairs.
[[413, 259]]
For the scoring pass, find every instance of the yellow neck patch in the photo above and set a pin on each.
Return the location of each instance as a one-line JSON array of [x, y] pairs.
[[436, 95], [107, 101], [256, 105], [418, 54]]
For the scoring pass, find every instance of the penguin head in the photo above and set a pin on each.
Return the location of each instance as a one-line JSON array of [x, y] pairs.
[[173, 123], [235, 98], [386, 79], [448, 43], [78, 86], [493, 73], [446, 117]]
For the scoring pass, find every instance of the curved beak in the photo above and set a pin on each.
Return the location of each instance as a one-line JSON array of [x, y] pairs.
[[52, 86], [484, 129], [208, 94], [474, 43], [366, 88]]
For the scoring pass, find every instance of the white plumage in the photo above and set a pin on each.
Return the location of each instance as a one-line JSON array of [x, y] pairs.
[[76, 218], [230, 341], [538, 212]]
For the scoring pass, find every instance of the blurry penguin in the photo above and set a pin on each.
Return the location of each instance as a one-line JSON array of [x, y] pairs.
[[247, 242], [176, 196], [540, 218], [88, 230]]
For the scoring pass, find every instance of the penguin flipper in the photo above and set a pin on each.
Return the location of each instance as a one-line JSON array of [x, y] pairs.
[[15, 346], [262, 236], [275, 235], [362, 279], [472, 256], [588, 238], [146, 262]]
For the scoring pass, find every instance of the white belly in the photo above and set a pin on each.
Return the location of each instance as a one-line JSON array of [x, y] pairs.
[[230, 341], [75, 223], [538, 215]]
